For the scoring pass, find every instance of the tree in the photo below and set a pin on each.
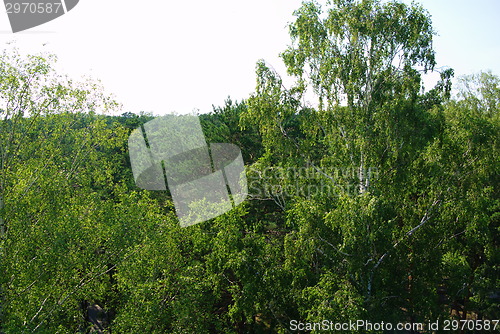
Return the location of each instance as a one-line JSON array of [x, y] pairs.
[[462, 164], [361, 54], [358, 51], [371, 132], [54, 172]]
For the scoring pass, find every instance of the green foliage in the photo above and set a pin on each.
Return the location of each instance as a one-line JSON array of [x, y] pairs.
[[223, 126], [379, 203]]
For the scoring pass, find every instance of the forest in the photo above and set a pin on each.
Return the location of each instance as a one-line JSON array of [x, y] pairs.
[[374, 200]]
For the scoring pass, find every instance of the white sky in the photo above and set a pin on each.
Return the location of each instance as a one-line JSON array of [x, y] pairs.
[[165, 56]]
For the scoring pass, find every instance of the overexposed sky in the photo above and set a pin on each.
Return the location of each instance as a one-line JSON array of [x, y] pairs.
[[179, 56]]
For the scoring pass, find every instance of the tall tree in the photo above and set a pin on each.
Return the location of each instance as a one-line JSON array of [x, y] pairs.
[[55, 173]]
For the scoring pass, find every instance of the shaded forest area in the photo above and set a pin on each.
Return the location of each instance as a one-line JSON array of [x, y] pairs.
[[379, 201]]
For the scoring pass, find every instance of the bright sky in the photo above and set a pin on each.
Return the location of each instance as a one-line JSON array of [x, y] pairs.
[[166, 56]]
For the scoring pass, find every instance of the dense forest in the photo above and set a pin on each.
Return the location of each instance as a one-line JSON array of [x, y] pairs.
[[378, 201]]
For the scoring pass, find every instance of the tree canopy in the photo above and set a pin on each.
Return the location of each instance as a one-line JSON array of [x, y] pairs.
[[378, 201]]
